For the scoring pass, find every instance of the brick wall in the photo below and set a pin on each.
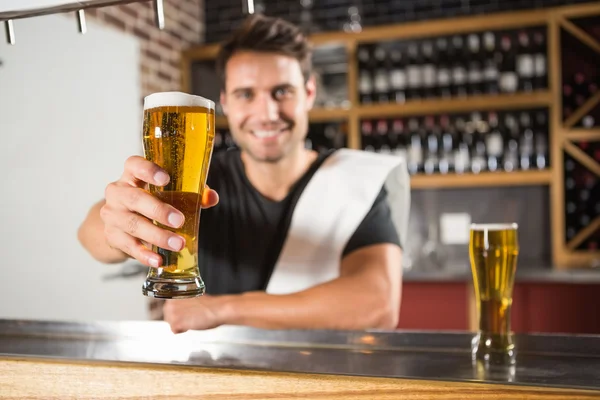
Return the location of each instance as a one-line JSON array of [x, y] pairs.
[[160, 50]]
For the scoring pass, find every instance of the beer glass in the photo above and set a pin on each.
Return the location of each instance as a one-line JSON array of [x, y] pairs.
[[178, 135], [493, 251]]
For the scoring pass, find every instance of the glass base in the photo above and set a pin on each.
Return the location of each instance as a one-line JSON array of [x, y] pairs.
[[173, 288], [493, 349]]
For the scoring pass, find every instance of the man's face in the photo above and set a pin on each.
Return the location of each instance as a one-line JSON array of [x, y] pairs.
[[267, 103]]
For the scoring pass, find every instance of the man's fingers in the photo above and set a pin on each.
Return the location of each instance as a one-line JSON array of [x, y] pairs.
[[143, 203], [141, 228], [210, 198], [139, 171], [132, 246]]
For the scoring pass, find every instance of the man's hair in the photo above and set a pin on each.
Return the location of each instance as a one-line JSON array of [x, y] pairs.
[[264, 34]]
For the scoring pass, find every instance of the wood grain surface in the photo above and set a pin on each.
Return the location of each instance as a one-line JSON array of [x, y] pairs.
[[32, 379]]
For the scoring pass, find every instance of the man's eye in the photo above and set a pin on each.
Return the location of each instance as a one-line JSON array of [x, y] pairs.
[[281, 92], [244, 95]]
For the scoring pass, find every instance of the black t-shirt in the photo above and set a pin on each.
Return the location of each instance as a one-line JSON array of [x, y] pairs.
[[241, 237]]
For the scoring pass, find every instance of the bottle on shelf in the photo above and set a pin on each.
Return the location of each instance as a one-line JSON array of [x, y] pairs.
[[446, 163], [415, 147], [541, 140], [508, 80], [381, 81], [476, 128], [457, 55], [494, 142], [398, 79], [525, 142], [367, 136], [382, 138], [462, 159], [365, 81], [399, 134], [511, 143], [414, 72], [429, 69], [491, 62], [475, 72], [540, 60], [525, 62], [444, 68], [432, 140]]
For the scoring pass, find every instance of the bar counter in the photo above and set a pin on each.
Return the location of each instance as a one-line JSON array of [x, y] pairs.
[[52, 360]]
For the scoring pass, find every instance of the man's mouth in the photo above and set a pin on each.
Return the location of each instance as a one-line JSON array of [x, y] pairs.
[[268, 134]]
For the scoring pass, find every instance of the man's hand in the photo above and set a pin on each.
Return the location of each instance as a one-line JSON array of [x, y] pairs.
[[129, 210], [205, 312]]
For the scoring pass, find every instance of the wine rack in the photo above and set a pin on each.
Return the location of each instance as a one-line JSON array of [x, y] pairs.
[[460, 78]]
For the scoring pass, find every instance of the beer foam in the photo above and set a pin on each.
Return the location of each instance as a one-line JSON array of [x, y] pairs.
[[493, 227], [176, 99]]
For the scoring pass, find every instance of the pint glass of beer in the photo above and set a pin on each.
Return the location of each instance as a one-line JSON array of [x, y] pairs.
[[178, 134], [493, 251]]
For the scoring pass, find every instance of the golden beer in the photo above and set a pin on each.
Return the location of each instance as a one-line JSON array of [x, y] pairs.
[[493, 251], [178, 135]]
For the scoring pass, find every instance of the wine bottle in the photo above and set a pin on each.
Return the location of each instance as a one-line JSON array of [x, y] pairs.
[[365, 82], [446, 163], [494, 142], [526, 141], [459, 70], [398, 80], [414, 73], [541, 140], [429, 69], [525, 62], [444, 72], [401, 145], [476, 128], [475, 74], [491, 63], [462, 157], [415, 150], [511, 143], [381, 77], [509, 81], [383, 144], [367, 136], [433, 136], [540, 59]]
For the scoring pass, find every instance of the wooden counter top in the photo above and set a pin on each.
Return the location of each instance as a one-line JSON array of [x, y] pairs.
[[37, 379]]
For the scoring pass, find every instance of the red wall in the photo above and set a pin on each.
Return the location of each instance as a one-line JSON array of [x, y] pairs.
[[537, 307]]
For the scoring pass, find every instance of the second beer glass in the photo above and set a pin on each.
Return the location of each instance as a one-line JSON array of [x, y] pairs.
[[178, 135], [493, 251]]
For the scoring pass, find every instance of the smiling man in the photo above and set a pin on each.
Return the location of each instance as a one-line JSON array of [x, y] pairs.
[[298, 239]]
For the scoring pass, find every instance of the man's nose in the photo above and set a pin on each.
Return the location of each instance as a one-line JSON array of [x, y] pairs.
[[266, 109]]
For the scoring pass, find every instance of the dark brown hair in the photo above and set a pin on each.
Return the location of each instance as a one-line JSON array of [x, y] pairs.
[[264, 34]]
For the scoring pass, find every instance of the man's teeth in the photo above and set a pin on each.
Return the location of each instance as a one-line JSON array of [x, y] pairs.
[[265, 134]]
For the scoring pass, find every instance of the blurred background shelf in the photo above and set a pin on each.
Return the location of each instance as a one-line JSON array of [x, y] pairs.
[[483, 179], [436, 106]]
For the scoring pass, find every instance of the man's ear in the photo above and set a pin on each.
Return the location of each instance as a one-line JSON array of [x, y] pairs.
[[311, 92], [223, 101]]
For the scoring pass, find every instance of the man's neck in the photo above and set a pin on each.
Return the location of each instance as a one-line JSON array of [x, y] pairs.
[[274, 180]]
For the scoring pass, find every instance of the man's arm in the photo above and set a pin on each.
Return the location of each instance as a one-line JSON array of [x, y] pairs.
[[366, 295]]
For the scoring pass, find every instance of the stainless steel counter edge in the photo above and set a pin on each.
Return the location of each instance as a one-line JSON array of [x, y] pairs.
[[543, 360]]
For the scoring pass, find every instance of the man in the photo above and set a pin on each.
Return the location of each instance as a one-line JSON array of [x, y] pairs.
[[297, 239]]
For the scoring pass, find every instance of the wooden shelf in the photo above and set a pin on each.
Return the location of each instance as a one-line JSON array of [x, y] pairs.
[[484, 179], [221, 122], [328, 114], [590, 135], [468, 104]]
